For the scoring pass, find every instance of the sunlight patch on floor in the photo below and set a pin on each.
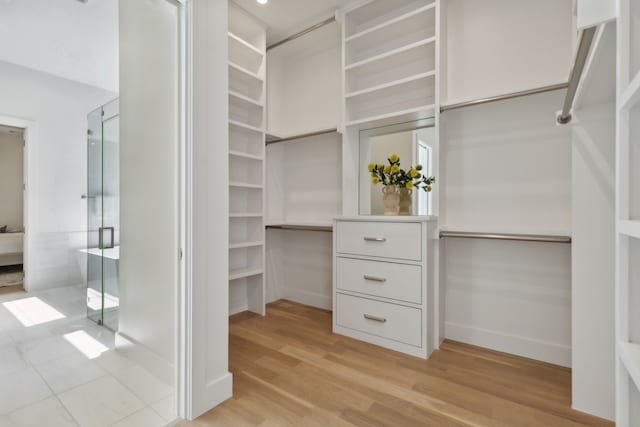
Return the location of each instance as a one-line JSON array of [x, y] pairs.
[[32, 311]]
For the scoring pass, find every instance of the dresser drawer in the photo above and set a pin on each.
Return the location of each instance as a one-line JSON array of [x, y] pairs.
[[390, 321], [384, 279], [381, 239]]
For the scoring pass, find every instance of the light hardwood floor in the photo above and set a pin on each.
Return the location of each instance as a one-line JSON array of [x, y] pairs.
[[290, 370]]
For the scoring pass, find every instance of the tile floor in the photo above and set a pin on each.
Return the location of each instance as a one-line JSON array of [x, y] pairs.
[[58, 369]]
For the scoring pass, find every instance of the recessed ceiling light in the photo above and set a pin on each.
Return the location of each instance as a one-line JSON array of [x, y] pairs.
[[262, 1]]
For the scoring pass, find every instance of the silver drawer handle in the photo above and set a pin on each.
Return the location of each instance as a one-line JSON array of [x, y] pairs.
[[375, 318], [374, 278], [375, 239]]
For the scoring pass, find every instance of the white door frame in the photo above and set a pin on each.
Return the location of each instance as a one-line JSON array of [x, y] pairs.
[[30, 136]]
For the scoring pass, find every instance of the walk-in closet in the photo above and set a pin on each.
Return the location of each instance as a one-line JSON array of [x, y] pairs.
[[506, 264]]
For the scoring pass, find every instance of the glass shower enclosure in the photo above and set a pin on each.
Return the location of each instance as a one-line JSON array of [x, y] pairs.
[[103, 215]]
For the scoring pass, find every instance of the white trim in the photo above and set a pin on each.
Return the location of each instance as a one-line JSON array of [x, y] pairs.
[[30, 137]]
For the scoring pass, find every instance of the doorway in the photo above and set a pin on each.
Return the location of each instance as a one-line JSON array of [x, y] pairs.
[[11, 208]]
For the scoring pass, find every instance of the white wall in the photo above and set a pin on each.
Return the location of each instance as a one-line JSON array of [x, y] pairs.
[[57, 213], [11, 180], [507, 168], [211, 382], [496, 47]]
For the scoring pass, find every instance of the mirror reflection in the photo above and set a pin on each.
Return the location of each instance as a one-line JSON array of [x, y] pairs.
[[395, 169]]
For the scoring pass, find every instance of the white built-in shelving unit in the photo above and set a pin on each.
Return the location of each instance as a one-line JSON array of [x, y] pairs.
[[247, 118], [628, 215], [390, 61]]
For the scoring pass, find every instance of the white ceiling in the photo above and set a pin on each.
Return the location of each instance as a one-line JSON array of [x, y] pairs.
[[66, 38], [286, 17]]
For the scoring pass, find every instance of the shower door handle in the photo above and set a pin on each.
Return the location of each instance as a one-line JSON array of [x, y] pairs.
[[101, 231]]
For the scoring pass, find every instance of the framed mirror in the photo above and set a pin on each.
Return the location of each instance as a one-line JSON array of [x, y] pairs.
[[414, 144]]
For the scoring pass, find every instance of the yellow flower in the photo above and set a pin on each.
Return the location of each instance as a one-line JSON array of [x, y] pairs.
[[380, 166], [370, 167], [394, 158], [387, 169], [413, 172], [409, 184], [395, 169], [375, 180]]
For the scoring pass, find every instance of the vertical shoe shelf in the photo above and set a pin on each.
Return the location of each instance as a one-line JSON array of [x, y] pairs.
[[247, 71]]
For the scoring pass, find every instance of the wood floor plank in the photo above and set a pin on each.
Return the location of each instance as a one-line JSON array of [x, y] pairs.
[[291, 370]]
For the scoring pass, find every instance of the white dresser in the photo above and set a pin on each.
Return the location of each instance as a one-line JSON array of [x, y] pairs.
[[384, 282]]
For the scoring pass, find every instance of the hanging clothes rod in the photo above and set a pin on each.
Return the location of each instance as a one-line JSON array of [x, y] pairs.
[[513, 95], [301, 227], [584, 46], [303, 32], [506, 236], [301, 136]]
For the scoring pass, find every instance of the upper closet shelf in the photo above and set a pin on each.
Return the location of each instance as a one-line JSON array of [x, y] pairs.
[[241, 73], [251, 49], [389, 85], [404, 20], [394, 117], [392, 53], [245, 126]]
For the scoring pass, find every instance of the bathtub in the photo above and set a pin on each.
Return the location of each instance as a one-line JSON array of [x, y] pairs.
[[11, 248]]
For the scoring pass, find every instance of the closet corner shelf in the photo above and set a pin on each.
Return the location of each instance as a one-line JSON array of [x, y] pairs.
[[630, 228], [272, 138], [417, 113], [630, 356], [241, 245], [389, 22], [245, 72], [245, 215], [245, 44], [390, 53], [244, 155], [245, 100], [245, 126], [391, 84], [244, 272], [236, 184]]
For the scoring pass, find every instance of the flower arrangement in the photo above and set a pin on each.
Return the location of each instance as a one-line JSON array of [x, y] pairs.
[[392, 174]]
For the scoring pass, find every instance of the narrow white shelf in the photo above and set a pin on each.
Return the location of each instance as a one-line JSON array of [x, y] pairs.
[[238, 40], [245, 126], [390, 84], [244, 272], [396, 20], [241, 245], [244, 100], [244, 155], [631, 95], [393, 52], [245, 215], [236, 184], [243, 72], [629, 228], [630, 356], [404, 115]]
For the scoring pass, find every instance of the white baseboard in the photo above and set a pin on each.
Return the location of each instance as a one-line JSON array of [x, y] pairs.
[[308, 298], [520, 346], [145, 357], [217, 391]]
